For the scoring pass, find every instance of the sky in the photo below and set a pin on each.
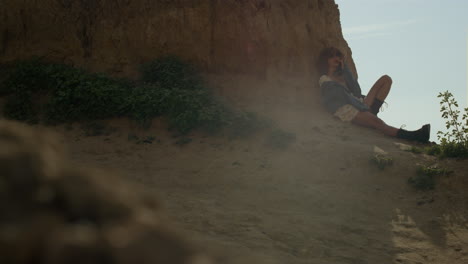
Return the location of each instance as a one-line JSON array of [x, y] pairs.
[[420, 44]]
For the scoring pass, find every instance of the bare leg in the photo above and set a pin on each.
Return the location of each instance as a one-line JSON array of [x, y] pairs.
[[369, 120], [379, 90]]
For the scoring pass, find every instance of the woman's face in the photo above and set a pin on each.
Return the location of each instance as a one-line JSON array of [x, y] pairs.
[[335, 62]]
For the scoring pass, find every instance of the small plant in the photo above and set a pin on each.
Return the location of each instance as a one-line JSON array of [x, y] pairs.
[[425, 177], [454, 142], [415, 150], [280, 139], [433, 170], [381, 161], [434, 150]]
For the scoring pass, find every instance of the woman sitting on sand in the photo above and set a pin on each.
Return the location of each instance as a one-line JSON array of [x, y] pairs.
[[342, 96]]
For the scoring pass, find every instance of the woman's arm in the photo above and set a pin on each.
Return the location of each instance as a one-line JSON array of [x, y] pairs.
[[335, 95], [352, 83]]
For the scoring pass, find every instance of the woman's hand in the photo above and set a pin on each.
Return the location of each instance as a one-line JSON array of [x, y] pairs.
[[342, 64], [339, 69]]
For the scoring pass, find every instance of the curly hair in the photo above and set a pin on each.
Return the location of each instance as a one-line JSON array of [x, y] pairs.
[[322, 63]]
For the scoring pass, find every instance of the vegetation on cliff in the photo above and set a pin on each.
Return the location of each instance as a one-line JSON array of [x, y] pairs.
[[454, 141], [38, 91]]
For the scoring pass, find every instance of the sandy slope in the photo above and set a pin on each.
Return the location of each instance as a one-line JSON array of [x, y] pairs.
[[318, 201]]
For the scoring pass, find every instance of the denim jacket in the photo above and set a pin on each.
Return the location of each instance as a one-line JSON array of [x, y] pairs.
[[336, 95]]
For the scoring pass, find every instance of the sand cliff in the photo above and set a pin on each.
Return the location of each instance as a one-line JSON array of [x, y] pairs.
[[271, 43]]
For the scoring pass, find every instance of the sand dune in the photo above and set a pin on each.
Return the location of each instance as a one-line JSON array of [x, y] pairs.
[[318, 201]]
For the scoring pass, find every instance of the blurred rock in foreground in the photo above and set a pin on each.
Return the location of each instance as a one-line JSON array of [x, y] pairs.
[[52, 212]]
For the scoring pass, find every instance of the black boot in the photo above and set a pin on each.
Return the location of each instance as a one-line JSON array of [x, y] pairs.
[[420, 135], [375, 107]]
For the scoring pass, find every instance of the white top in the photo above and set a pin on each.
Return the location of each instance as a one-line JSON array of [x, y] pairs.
[[324, 78]]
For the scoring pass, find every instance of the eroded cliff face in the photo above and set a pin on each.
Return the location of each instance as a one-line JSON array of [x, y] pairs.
[[269, 41]]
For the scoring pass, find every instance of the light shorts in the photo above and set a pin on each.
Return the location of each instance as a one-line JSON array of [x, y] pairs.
[[346, 113]]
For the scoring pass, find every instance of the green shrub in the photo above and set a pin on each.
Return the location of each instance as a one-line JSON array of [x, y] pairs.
[[425, 177], [415, 150], [170, 88], [185, 109], [447, 150], [5, 73], [145, 102], [72, 93], [179, 93], [434, 150], [30, 75], [452, 149], [81, 96], [454, 142], [22, 83], [190, 109], [20, 107]]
